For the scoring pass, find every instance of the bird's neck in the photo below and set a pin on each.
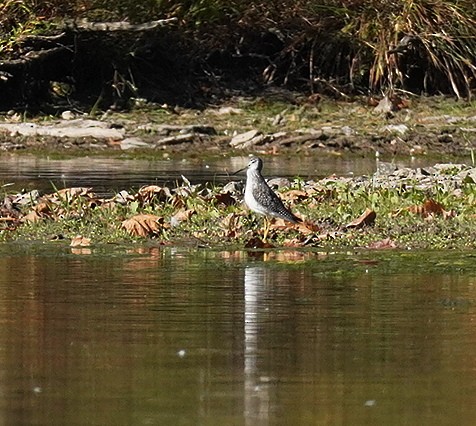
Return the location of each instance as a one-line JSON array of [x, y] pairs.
[[253, 176]]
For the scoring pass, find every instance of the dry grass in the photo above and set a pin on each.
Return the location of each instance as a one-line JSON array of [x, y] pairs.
[[342, 46]]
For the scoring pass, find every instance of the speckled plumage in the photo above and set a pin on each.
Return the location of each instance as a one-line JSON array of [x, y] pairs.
[[260, 198]]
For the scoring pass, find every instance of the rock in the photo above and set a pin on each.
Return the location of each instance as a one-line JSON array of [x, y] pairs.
[[133, 143], [242, 138], [167, 129], [233, 188], [123, 197], [401, 129], [469, 176], [278, 119], [300, 139], [385, 106], [67, 115], [175, 140], [311, 131], [445, 138], [5, 146], [449, 168], [279, 182], [250, 139], [227, 110], [428, 171], [26, 199], [404, 172], [347, 130], [329, 130], [258, 140], [139, 102], [417, 150], [385, 168], [199, 128]]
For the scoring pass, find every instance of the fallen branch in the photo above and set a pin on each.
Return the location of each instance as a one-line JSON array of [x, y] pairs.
[[117, 26]]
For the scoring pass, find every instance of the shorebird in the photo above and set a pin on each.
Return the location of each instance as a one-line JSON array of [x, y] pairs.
[[260, 198]]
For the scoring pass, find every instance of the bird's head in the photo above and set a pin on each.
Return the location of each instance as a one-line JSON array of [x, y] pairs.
[[255, 163]]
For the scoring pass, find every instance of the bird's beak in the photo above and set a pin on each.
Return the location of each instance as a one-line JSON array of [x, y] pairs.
[[238, 171]]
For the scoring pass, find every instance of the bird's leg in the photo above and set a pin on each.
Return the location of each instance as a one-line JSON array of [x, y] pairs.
[[266, 228]]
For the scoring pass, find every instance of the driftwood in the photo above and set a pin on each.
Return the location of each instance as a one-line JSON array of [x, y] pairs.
[[78, 128], [118, 26]]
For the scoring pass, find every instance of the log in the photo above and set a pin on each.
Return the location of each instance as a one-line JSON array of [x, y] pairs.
[[125, 26]]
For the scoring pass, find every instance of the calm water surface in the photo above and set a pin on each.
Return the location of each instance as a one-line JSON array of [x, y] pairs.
[[164, 336], [106, 175]]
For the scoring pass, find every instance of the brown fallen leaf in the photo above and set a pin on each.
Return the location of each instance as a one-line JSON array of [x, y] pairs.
[[32, 216], [315, 239], [306, 227], [280, 224], [225, 199], [400, 103], [143, 225], [371, 101], [257, 243], [147, 193], [313, 99], [232, 226], [182, 216], [293, 242], [177, 201], [328, 235], [386, 243], [303, 227], [43, 208], [122, 197], [430, 208], [69, 194], [367, 218], [80, 241], [294, 195], [81, 250]]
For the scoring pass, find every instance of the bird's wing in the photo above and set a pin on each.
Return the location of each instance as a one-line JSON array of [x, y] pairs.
[[272, 203]]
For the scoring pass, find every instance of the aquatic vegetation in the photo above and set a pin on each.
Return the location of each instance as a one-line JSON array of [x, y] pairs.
[[400, 210]]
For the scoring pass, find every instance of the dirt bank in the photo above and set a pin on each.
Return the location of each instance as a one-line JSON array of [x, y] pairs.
[[273, 122]]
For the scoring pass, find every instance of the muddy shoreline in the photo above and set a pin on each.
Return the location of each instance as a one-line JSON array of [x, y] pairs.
[[435, 126]]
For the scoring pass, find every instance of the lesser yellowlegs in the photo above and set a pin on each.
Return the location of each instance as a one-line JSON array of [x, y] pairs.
[[260, 198]]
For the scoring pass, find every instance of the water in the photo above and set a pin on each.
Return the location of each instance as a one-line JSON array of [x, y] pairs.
[[165, 336], [109, 175]]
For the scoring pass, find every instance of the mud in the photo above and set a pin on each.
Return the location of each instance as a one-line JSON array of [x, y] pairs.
[[258, 125]]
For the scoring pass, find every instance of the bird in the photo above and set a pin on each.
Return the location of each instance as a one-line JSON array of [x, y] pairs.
[[261, 199]]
